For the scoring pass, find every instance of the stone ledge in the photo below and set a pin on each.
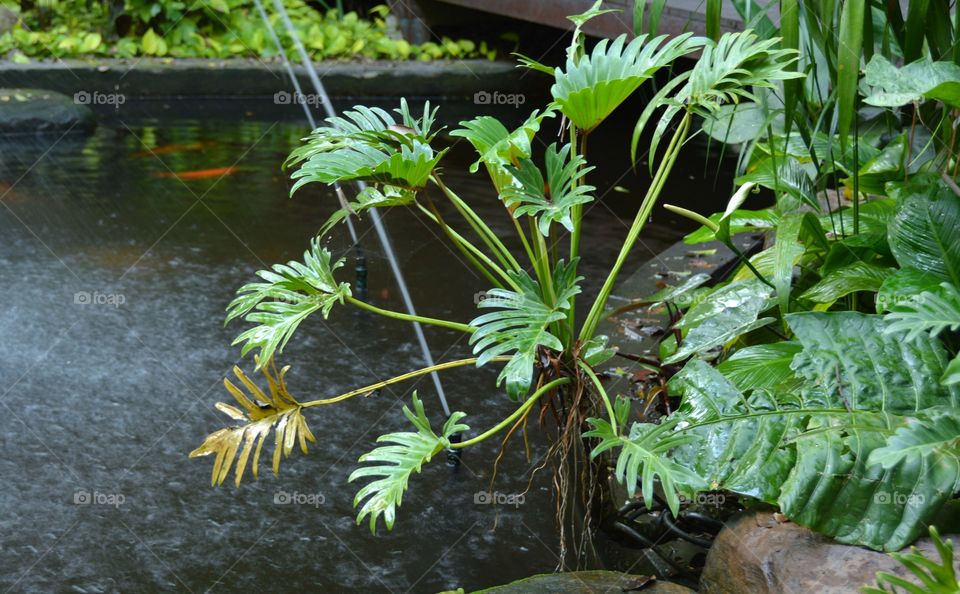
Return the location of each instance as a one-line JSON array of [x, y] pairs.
[[242, 77]]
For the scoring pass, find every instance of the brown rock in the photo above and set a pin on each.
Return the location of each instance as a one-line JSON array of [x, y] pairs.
[[588, 582], [756, 554]]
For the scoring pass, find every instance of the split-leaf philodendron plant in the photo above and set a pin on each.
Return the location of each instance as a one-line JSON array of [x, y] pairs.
[[527, 323]]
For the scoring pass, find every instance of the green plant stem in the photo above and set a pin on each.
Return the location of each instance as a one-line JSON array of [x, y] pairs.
[[577, 216], [397, 380], [523, 239], [649, 200], [408, 318], [603, 393], [534, 398], [470, 251], [490, 238]]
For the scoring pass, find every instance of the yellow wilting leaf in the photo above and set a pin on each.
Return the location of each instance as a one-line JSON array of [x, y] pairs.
[[260, 413]]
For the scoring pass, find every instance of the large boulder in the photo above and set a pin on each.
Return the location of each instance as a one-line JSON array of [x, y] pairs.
[[37, 110], [588, 582], [758, 554]]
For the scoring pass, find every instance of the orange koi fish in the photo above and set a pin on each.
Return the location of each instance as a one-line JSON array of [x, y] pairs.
[[173, 148], [198, 174]]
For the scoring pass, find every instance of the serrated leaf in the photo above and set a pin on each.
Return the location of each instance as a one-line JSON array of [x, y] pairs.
[[549, 200], [292, 292], [849, 360], [395, 464], [925, 232], [588, 89], [262, 413], [521, 325]]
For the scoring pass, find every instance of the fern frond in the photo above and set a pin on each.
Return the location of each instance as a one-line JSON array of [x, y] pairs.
[[935, 578], [550, 200], [278, 411], [521, 325], [408, 453], [292, 292]]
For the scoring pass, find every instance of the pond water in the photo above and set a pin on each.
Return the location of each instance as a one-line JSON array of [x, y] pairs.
[[115, 276]]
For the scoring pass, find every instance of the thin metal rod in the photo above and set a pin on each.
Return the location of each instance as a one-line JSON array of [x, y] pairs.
[[305, 104], [378, 225]]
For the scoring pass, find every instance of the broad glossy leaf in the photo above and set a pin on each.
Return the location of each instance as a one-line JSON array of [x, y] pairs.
[[903, 288], [395, 463], [849, 360], [925, 232], [889, 86], [741, 221], [761, 366], [589, 89], [858, 276], [724, 315], [744, 454], [782, 174], [680, 294]]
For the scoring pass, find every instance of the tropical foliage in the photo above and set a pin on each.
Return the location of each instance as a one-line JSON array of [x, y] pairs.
[[212, 29], [527, 321], [822, 376]]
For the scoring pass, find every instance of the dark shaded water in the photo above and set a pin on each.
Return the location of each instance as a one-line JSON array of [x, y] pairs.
[[115, 277]]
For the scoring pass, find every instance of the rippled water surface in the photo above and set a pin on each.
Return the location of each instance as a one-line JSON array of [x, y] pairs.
[[115, 276]]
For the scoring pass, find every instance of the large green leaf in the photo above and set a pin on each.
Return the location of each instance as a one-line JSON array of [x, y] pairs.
[[724, 315], [643, 456], [925, 232], [521, 325], [549, 200], [858, 276], [736, 449], [727, 72], [889, 86], [761, 366], [397, 462], [808, 451], [368, 145], [292, 292], [588, 89], [849, 360], [904, 287], [497, 146], [932, 312], [741, 221]]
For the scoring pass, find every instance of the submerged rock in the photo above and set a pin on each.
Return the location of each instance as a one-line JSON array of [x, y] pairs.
[[588, 582], [757, 554], [38, 110]]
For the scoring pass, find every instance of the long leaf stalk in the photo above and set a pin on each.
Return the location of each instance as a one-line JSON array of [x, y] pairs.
[[529, 402], [603, 394], [396, 380], [486, 234], [649, 200], [473, 254], [409, 318]]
